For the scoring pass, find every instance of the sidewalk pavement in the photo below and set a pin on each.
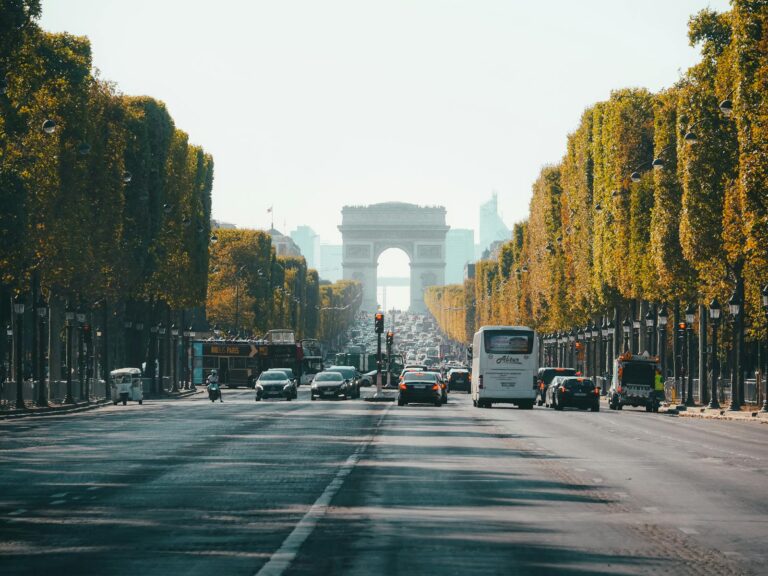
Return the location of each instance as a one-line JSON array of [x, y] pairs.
[[747, 414], [60, 409]]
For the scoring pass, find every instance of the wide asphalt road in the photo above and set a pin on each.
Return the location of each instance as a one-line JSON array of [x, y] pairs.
[[189, 487]]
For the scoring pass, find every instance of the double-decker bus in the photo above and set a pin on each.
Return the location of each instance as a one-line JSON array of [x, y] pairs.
[[239, 362], [311, 360]]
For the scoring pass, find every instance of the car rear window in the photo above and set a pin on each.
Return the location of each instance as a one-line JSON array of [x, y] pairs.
[[508, 341], [273, 376], [578, 382], [420, 377], [548, 374]]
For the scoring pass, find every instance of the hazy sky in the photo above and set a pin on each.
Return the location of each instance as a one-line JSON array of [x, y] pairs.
[[309, 105]]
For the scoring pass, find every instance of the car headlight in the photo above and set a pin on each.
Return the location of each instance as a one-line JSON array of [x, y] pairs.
[[314, 384], [287, 387], [259, 387]]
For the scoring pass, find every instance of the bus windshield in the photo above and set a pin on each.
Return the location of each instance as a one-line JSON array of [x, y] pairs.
[[508, 341]]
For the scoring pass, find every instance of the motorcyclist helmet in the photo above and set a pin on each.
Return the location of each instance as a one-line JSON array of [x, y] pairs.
[[213, 372]]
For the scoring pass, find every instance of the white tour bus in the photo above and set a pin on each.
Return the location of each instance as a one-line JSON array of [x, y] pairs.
[[504, 366]]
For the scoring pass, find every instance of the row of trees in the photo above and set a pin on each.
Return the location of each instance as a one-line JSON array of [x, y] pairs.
[[105, 203], [252, 290], [607, 232], [103, 197]]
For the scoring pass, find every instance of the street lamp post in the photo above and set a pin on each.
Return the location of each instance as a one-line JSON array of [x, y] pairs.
[[661, 321], [604, 351], [81, 379], [714, 316], [680, 356], [649, 318], [42, 313], [69, 316], [636, 330], [734, 307], [764, 378], [153, 356], [572, 348], [9, 336], [98, 351], [189, 335], [626, 327], [690, 316], [18, 308], [611, 344], [593, 342], [161, 354], [174, 357]]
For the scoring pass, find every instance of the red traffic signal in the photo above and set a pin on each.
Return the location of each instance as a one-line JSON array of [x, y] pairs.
[[379, 322], [390, 338]]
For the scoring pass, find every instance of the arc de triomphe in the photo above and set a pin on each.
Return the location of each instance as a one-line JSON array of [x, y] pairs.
[[419, 231]]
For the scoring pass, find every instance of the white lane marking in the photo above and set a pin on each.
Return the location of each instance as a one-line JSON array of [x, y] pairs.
[[57, 502], [651, 509], [59, 495], [597, 480], [685, 530], [281, 560], [17, 512]]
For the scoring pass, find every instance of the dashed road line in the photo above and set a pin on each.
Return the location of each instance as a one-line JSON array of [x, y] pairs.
[[284, 556]]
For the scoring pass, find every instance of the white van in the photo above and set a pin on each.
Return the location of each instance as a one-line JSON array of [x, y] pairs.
[[504, 366]]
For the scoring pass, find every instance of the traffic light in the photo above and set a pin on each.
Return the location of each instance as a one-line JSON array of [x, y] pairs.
[[390, 338], [379, 323]]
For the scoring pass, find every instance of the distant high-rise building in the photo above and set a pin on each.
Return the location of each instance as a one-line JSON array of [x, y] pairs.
[[308, 243], [492, 227], [459, 251], [330, 262], [284, 245]]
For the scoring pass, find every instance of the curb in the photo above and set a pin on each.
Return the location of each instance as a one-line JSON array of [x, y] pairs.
[[81, 407], [55, 410], [725, 415]]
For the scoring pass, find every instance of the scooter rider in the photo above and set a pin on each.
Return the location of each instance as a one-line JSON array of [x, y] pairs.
[[213, 384]]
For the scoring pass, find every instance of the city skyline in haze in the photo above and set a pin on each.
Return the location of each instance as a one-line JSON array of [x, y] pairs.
[[310, 106]]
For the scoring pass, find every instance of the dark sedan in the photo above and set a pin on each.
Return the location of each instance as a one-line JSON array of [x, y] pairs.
[[331, 385], [423, 387], [544, 379], [458, 379], [576, 392], [275, 384]]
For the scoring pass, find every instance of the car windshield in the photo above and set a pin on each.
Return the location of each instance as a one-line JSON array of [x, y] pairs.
[[287, 371], [329, 377], [273, 376], [346, 372], [509, 341]]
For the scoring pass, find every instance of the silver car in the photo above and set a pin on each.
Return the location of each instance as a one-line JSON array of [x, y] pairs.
[[275, 384], [331, 385]]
